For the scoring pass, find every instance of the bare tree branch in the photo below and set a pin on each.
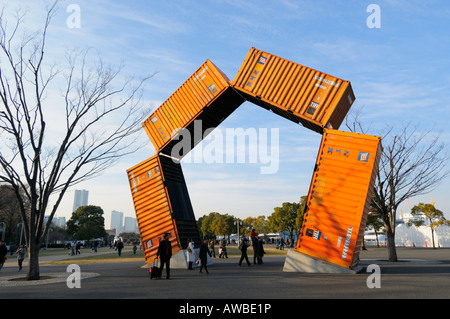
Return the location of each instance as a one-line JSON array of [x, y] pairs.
[[413, 162], [101, 114]]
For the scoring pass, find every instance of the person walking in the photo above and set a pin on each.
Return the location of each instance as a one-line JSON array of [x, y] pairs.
[[243, 247], [119, 246], [203, 255], [78, 247], [94, 247], [190, 253], [3, 253], [211, 246], [255, 250], [261, 251], [282, 243], [165, 253], [223, 247], [20, 256]]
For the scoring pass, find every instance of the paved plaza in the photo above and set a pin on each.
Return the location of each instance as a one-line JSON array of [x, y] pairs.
[[421, 273]]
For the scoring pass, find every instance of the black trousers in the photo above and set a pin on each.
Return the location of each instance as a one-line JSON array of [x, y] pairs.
[[161, 266], [255, 255], [203, 262], [244, 255]]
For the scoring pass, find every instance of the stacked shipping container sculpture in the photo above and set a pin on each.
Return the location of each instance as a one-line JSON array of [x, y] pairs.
[[342, 183]]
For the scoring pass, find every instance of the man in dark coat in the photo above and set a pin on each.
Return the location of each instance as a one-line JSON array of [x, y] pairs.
[[255, 250], [165, 253], [243, 247], [203, 255], [119, 246], [261, 251]]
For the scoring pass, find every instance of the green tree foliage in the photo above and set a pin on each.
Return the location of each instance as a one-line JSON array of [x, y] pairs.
[[87, 222], [215, 224], [259, 224], [302, 208], [433, 215], [374, 221], [287, 217], [222, 225], [205, 225]]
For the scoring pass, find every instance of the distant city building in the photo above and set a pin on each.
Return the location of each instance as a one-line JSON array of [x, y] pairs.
[[130, 225], [116, 221], [57, 221], [60, 222], [80, 198]]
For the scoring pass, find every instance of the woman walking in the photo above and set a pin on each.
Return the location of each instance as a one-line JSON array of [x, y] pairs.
[[190, 253], [203, 255], [20, 256]]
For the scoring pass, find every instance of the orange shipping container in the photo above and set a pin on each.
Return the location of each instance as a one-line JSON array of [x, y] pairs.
[[208, 88], [162, 204], [301, 94], [339, 197]]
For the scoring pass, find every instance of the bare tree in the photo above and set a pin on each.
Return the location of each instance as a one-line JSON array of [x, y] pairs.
[[413, 163], [99, 114]]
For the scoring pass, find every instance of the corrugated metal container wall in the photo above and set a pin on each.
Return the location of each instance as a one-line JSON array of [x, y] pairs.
[[180, 202], [296, 92], [339, 197], [152, 206], [184, 105]]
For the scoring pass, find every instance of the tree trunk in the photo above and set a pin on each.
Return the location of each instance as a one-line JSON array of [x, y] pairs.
[[432, 237], [376, 237], [33, 261], [391, 245]]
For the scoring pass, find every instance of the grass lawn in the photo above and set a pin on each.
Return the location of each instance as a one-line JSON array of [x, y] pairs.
[[110, 255]]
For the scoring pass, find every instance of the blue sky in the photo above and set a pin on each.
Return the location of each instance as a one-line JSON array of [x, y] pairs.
[[398, 73]]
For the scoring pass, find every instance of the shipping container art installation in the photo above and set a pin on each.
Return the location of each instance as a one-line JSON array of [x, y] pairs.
[[315, 100], [339, 197], [301, 94]]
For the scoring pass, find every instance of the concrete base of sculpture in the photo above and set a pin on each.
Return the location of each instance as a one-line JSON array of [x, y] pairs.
[[298, 262]]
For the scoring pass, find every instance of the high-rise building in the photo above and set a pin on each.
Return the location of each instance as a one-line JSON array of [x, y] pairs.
[[56, 221], [60, 222], [130, 225], [80, 198], [116, 221]]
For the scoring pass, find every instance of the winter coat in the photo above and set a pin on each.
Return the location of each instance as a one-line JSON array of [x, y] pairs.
[[190, 254]]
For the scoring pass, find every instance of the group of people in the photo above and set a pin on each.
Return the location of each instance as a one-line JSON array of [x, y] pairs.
[[164, 252], [4, 251], [75, 248], [258, 249], [203, 253]]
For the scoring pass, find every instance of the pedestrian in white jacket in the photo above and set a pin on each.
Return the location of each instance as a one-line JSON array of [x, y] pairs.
[[190, 253]]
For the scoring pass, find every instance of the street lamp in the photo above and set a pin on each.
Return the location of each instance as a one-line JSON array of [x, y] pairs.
[[238, 222]]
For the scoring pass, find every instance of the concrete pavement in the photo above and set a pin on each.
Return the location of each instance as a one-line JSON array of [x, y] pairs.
[[421, 273]]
